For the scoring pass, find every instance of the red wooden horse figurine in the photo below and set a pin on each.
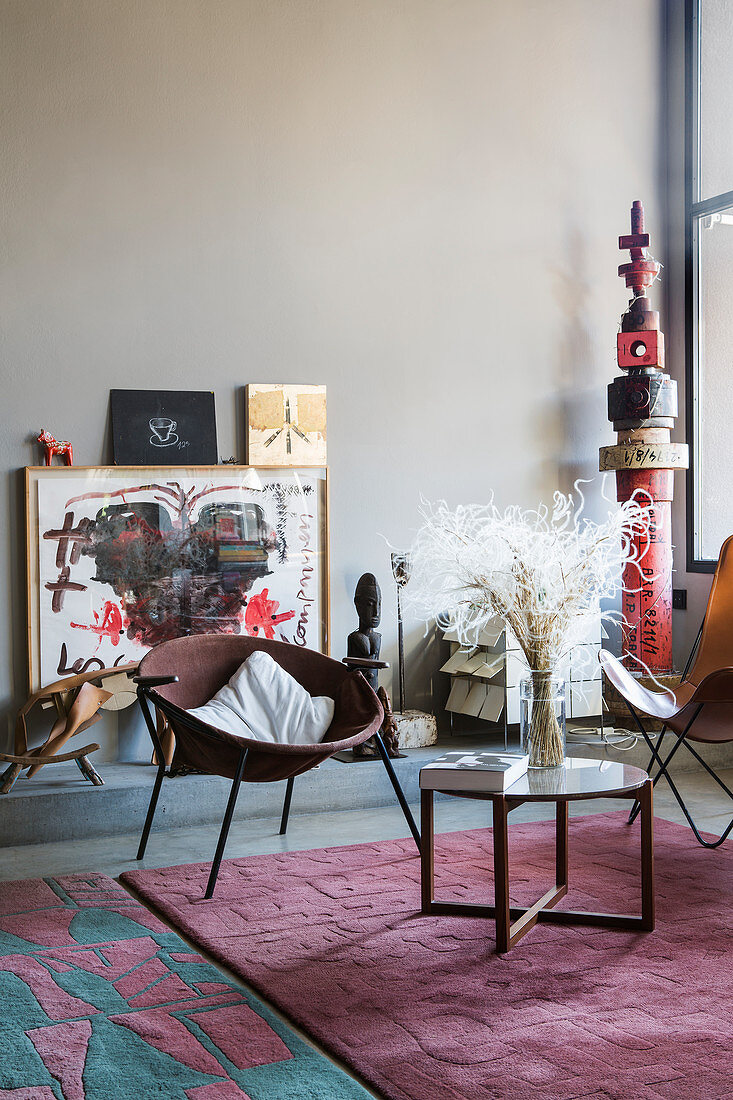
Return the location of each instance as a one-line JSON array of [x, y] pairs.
[[53, 447]]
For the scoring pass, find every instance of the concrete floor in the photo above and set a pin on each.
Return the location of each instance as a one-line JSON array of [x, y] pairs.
[[710, 807]]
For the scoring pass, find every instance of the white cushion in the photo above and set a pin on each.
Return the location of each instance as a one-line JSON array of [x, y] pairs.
[[264, 702]]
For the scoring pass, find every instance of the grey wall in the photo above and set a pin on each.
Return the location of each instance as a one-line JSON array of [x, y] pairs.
[[414, 202]]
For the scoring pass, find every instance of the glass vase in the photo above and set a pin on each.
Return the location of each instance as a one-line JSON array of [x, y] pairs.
[[542, 719]]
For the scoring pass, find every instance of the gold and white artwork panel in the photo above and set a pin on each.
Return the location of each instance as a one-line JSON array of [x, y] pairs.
[[286, 424]]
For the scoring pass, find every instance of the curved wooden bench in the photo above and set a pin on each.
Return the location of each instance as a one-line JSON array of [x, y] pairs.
[[18, 763]]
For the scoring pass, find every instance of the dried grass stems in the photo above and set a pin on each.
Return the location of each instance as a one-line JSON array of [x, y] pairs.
[[544, 571]]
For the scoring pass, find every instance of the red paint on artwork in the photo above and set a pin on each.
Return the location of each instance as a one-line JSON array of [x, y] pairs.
[[261, 617], [181, 561], [110, 625]]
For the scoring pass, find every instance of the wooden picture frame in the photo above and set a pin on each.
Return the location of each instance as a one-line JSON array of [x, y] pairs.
[[120, 558]]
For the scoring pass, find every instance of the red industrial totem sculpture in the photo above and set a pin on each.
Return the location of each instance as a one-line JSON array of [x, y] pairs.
[[642, 403]]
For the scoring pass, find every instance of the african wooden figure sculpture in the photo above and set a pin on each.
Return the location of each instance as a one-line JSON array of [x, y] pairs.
[[366, 642], [362, 652]]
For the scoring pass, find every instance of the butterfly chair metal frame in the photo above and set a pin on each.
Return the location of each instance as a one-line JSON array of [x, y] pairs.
[[700, 709], [247, 760]]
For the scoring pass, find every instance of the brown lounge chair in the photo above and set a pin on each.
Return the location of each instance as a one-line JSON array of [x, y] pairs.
[[179, 675], [700, 709]]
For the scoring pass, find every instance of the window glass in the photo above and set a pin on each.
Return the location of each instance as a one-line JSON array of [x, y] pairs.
[[714, 405], [716, 98]]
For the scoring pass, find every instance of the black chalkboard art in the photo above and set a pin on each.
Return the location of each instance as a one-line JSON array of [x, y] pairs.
[[163, 427]]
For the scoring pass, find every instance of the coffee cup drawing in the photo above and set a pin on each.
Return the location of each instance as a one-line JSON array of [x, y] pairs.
[[163, 429]]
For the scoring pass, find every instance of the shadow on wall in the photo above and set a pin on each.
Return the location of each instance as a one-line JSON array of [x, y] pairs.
[[14, 689], [580, 370], [133, 739], [423, 681]]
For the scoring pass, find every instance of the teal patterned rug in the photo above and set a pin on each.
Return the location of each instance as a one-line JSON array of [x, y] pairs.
[[100, 1001]]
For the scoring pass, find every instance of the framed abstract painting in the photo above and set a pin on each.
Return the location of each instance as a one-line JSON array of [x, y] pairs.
[[121, 558]]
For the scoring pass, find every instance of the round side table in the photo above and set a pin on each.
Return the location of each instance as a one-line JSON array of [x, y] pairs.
[[574, 780]]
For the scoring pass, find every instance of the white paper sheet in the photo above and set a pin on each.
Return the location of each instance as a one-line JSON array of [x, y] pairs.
[[470, 666], [474, 700], [458, 694], [490, 666], [491, 633], [493, 704], [586, 698], [584, 663], [516, 668], [457, 660]]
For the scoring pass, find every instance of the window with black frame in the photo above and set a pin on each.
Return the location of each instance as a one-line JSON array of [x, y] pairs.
[[709, 278]]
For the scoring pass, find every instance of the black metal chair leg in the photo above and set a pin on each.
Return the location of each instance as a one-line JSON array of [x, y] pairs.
[[398, 790], [151, 812], [708, 769], [636, 805], [228, 814], [686, 812], [724, 835], [286, 806], [655, 751], [663, 765]]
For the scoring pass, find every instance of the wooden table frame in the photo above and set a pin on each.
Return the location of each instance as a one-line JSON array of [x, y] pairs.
[[508, 933]]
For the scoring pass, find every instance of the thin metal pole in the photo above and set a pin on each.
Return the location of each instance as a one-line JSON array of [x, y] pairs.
[[286, 806], [401, 651], [398, 790], [152, 730], [229, 813], [646, 799], [655, 752], [151, 811], [655, 755]]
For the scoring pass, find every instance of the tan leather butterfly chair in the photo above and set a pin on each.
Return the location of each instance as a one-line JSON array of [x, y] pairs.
[[700, 709]]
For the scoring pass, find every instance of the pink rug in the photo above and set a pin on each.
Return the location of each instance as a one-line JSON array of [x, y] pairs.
[[423, 1009]]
